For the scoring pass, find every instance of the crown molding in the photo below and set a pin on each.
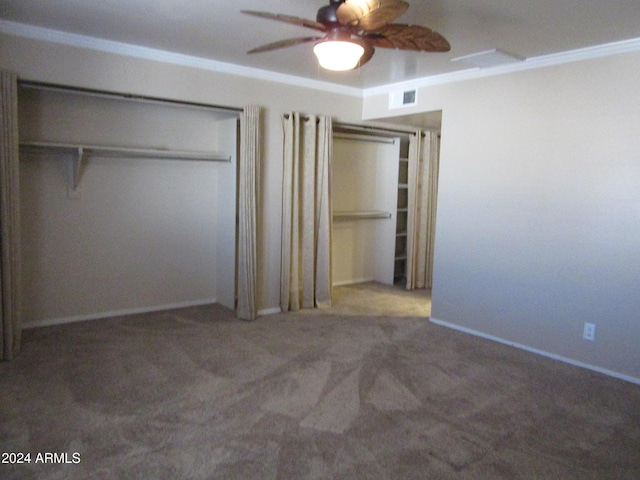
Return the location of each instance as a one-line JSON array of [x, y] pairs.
[[604, 50], [136, 51], [126, 49]]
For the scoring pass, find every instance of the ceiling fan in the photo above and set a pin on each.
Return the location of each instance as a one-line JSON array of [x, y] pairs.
[[352, 29]]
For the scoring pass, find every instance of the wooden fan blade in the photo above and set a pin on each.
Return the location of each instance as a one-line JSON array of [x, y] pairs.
[[407, 37], [369, 14], [302, 22], [284, 43]]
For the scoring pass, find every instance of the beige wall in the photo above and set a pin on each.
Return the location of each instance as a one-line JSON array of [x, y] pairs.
[[60, 64], [538, 222]]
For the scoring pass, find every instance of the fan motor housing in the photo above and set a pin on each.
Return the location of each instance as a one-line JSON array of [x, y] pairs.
[[327, 14]]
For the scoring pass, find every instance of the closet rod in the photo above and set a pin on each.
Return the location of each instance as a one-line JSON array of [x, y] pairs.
[[110, 151], [364, 137], [372, 128], [124, 96]]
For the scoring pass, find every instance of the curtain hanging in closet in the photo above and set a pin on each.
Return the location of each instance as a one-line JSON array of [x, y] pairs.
[[305, 276], [422, 195], [10, 308], [248, 175]]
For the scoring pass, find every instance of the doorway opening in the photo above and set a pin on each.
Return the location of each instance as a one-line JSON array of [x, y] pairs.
[[377, 272]]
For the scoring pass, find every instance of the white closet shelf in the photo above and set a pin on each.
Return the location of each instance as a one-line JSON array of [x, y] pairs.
[[113, 151], [77, 154], [360, 214]]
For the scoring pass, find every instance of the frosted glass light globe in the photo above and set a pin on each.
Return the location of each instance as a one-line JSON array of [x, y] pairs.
[[338, 55]]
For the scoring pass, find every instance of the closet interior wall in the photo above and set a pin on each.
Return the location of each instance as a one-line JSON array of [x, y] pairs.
[[136, 232], [364, 194]]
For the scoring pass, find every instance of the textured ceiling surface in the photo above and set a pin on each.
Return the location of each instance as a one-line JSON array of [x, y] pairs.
[[216, 30]]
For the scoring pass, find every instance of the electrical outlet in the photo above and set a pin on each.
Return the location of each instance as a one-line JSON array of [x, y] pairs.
[[589, 332]]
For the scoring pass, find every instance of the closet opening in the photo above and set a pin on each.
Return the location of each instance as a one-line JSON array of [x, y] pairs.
[[128, 203], [380, 246]]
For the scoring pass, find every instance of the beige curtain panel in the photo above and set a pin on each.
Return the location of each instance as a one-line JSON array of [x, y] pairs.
[[10, 308], [306, 213], [422, 194], [248, 181]]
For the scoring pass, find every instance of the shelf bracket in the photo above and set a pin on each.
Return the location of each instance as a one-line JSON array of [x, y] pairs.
[[75, 172]]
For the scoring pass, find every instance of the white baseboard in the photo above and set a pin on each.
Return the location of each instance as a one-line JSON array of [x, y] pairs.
[[611, 373], [115, 313], [269, 311]]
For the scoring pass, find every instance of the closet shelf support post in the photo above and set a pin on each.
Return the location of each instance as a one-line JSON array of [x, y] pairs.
[[75, 171]]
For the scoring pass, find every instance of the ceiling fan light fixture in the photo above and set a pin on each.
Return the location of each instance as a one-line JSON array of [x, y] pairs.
[[338, 55]]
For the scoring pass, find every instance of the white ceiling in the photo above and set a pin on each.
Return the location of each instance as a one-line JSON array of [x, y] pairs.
[[216, 30]]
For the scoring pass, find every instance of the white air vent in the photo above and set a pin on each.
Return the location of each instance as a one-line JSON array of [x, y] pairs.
[[405, 98]]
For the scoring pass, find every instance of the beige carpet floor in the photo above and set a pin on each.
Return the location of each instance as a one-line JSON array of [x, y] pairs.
[[350, 393], [376, 299]]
